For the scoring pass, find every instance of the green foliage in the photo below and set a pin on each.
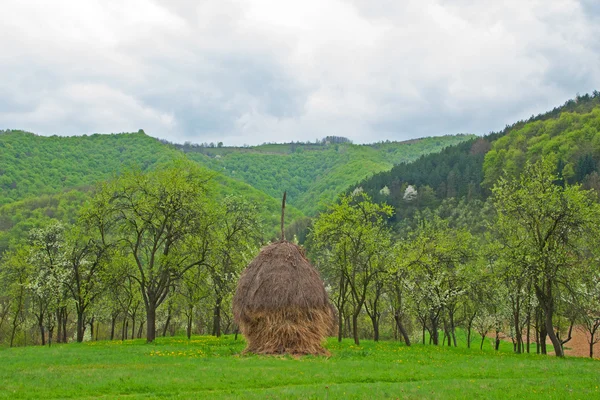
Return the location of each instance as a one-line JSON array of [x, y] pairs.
[[544, 220], [49, 178], [352, 242], [571, 142], [19, 217], [235, 238], [206, 367], [33, 165], [568, 133], [318, 173], [436, 259], [161, 221], [543, 225]]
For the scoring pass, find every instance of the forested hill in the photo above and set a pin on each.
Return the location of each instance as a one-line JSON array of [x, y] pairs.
[[43, 178], [32, 165], [570, 134], [313, 173]]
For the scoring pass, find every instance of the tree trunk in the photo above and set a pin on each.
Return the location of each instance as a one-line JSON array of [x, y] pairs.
[[340, 303], [166, 327], [42, 333], [190, 318], [13, 332], [140, 330], [497, 346], [400, 327], [453, 329], [547, 301], [355, 328], [469, 336], [445, 334], [217, 317], [550, 331], [112, 327], [92, 328], [543, 335], [123, 331], [150, 323], [375, 323], [133, 326], [434, 330], [15, 321], [59, 323], [517, 325], [528, 331], [470, 328], [348, 326], [340, 325], [65, 319], [80, 324]]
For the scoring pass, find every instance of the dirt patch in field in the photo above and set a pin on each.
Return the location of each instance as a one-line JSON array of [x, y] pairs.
[[578, 346]]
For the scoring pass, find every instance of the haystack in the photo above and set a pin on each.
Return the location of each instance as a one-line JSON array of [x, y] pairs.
[[280, 303]]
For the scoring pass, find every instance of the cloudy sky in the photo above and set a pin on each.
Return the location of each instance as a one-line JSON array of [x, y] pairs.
[[273, 70]]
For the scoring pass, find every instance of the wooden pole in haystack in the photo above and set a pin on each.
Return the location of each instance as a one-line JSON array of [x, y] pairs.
[[283, 216]]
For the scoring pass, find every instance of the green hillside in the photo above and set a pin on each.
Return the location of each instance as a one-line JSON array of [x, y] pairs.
[[572, 140], [570, 134], [43, 178], [313, 174], [32, 165], [18, 217]]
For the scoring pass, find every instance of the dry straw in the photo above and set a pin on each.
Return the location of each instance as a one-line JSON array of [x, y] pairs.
[[280, 304]]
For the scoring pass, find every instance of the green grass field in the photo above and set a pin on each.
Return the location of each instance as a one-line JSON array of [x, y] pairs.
[[206, 367]]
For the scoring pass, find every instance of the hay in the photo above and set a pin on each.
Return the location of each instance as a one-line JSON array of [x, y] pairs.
[[281, 305]]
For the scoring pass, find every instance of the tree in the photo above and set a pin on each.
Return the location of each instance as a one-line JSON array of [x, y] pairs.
[[436, 257], [85, 258], [161, 221], [354, 233], [542, 221], [588, 296], [235, 237], [398, 283], [14, 276], [48, 279], [192, 289]]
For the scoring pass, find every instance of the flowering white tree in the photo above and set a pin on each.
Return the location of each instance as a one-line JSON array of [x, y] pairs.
[[436, 257], [48, 280], [385, 191], [410, 193]]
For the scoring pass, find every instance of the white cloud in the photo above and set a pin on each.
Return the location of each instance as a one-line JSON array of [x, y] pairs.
[[260, 70]]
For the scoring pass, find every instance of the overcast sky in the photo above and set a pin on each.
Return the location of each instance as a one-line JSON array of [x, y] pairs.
[[256, 71]]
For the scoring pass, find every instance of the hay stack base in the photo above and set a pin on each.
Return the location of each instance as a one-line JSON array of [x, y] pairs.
[[281, 305]]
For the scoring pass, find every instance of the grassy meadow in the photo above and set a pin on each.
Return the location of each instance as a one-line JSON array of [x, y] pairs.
[[207, 367]]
